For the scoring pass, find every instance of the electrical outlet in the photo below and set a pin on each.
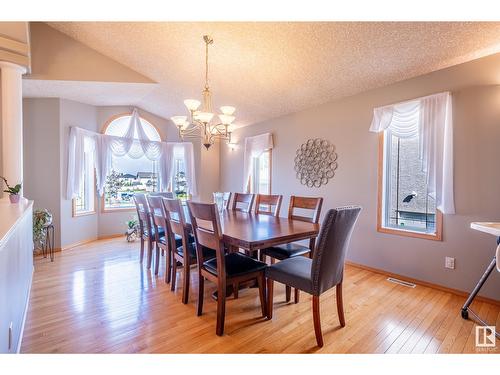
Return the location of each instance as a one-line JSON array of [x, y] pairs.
[[449, 263]]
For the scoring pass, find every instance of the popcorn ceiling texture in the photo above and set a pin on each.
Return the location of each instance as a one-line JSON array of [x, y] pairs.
[[270, 69]]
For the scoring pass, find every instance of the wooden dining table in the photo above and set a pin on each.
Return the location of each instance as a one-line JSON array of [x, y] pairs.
[[252, 232]]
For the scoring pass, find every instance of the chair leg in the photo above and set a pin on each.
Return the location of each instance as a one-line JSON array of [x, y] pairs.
[[288, 293], [317, 321], [270, 290], [236, 288], [261, 281], [201, 293], [157, 259], [296, 295], [221, 308], [168, 270], [150, 253], [174, 273], [142, 249], [185, 286], [340, 305]]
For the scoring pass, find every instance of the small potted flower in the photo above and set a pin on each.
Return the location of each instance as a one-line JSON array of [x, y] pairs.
[[12, 190], [132, 229]]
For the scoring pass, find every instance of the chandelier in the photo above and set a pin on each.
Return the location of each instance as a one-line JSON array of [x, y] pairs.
[[201, 123]]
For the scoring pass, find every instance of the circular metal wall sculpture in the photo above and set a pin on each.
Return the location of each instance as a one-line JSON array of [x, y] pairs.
[[315, 162]]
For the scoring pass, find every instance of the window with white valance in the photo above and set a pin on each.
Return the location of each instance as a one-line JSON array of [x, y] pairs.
[[416, 163], [255, 147], [129, 157]]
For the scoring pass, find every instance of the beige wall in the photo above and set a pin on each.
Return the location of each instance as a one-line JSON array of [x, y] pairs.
[[345, 123], [41, 157], [56, 56]]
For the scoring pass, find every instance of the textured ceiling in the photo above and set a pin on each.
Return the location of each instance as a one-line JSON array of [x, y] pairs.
[[270, 69]]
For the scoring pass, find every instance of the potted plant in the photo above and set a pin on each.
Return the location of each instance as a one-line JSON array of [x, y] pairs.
[[12, 190], [41, 220], [132, 229]]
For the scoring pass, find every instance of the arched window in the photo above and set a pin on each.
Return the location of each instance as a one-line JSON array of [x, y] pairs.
[[129, 175]]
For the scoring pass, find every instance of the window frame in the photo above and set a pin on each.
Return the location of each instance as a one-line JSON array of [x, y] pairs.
[[250, 180], [437, 236], [75, 213], [105, 210]]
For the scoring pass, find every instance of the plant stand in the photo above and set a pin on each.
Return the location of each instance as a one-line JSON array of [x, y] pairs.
[[48, 247]]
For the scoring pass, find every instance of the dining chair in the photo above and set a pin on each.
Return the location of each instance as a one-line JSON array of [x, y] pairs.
[[242, 202], [268, 204], [280, 252], [226, 199], [163, 194], [224, 269], [159, 222], [324, 271], [182, 244], [145, 226]]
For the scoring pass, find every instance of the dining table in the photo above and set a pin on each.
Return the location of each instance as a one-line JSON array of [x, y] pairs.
[[252, 232]]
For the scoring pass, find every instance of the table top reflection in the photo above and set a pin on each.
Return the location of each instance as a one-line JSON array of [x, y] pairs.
[[257, 231]]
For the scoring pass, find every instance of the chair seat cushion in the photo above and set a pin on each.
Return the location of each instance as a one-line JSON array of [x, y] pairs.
[[294, 272], [207, 253], [161, 232], [286, 251], [178, 240], [237, 264]]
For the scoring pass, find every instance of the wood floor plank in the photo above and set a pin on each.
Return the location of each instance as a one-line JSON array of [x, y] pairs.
[[98, 298]]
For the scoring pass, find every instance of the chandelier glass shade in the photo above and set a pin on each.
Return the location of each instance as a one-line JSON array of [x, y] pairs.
[[201, 121]]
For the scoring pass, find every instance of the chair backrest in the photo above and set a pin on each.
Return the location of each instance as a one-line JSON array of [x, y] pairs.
[[207, 232], [226, 198], [175, 215], [163, 194], [157, 212], [312, 204], [333, 242], [243, 202], [142, 207], [176, 222], [271, 203]]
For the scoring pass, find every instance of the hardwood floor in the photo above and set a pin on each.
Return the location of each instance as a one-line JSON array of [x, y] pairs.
[[97, 298]]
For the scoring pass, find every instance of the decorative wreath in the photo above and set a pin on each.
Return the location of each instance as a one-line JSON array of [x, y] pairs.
[[315, 162]]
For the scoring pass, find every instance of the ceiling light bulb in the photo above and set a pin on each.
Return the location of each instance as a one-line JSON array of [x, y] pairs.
[[226, 119], [227, 110], [179, 120], [192, 104]]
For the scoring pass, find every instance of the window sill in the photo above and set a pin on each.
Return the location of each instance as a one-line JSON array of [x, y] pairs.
[[85, 213], [116, 209], [409, 233]]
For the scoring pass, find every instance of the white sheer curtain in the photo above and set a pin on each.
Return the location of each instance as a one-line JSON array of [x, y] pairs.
[[81, 142], [254, 147], [185, 151], [430, 118], [135, 144]]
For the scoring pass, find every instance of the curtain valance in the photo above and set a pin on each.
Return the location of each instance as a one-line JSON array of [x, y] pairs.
[[134, 144], [430, 118], [254, 147]]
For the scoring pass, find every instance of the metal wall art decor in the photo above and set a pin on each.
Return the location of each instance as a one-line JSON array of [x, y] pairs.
[[315, 162]]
